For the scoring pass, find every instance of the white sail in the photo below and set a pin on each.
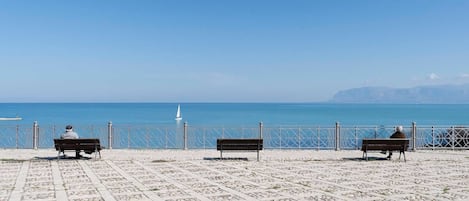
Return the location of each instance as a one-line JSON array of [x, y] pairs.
[[178, 113]]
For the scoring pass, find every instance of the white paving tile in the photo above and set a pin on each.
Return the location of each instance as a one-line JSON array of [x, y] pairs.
[[197, 175]]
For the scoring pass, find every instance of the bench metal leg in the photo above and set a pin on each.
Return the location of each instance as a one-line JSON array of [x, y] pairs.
[[365, 153], [77, 153], [96, 152], [257, 155], [403, 153]]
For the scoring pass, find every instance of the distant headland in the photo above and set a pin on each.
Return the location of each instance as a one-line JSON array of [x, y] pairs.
[[435, 94]]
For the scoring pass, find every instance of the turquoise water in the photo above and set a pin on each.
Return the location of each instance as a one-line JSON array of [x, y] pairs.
[[236, 114]]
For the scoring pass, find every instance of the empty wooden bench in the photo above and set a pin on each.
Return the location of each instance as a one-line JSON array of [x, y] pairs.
[[88, 145], [240, 145], [385, 144]]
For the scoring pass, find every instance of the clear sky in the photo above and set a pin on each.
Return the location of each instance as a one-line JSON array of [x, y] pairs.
[[226, 51]]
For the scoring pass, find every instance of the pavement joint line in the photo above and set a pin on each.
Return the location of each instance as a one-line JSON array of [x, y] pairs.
[[135, 182], [296, 184], [58, 182], [244, 196], [17, 192], [105, 194], [367, 182], [277, 179], [327, 182], [172, 181], [231, 176]]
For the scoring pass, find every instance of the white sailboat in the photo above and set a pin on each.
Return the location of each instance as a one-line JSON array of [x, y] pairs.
[[178, 114]]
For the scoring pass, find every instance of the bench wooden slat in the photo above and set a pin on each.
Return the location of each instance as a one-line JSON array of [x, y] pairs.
[[238, 147], [393, 144], [82, 144], [240, 144]]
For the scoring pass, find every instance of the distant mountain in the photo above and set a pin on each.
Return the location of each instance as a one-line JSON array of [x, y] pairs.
[[439, 94]]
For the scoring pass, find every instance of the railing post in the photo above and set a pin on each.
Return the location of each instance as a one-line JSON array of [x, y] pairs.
[[35, 135], [376, 131], [337, 136], [299, 137], [433, 137], [17, 134], [261, 128], [128, 137], [319, 138], [204, 140], [54, 131], [166, 138], [414, 136], [147, 137], [356, 138], [109, 135], [280, 135], [453, 140], [185, 135]]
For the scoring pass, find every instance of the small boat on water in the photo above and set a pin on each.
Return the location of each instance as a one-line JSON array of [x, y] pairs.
[[178, 114], [10, 118]]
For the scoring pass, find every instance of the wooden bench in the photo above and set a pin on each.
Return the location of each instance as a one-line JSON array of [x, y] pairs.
[[252, 144], [385, 144], [88, 145]]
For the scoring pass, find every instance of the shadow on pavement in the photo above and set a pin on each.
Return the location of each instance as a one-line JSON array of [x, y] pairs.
[[225, 159]]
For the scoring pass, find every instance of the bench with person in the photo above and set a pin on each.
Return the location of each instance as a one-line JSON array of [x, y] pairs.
[[385, 144], [249, 144], [87, 145]]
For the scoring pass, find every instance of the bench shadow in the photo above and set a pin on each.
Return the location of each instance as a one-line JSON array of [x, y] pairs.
[[225, 159], [370, 158], [62, 158]]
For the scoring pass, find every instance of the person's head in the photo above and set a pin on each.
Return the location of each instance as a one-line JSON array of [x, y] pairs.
[[68, 128], [399, 128]]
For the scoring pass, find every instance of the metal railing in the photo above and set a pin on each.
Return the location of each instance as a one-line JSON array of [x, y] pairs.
[[336, 137]]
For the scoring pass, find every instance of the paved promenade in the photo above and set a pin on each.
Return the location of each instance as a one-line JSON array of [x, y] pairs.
[[199, 175]]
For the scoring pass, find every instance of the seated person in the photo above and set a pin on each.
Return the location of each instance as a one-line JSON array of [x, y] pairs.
[[398, 134], [70, 134]]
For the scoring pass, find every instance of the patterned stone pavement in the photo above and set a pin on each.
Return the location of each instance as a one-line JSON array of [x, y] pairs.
[[335, 176]]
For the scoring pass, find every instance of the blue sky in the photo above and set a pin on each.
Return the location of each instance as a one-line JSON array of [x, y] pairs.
[[226, 51]]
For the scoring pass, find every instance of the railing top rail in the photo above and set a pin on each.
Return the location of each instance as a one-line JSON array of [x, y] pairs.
[[441, 126]]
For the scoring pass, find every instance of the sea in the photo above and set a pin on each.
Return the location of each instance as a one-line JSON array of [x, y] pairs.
[[236, 114]]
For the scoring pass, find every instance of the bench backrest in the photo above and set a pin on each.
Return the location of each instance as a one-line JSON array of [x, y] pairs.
[[74, 144], [240, 144], [385, 144]]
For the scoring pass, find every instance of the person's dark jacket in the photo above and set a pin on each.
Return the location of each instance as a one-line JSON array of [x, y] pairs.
[[398, 134]]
